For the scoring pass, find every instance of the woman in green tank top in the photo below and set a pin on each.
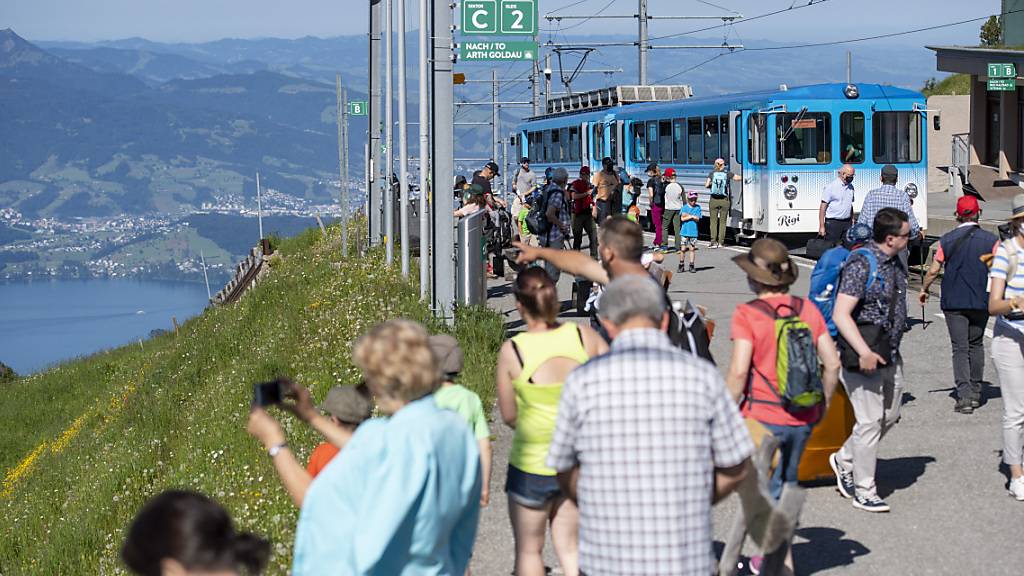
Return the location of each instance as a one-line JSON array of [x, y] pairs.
[[531, 369]]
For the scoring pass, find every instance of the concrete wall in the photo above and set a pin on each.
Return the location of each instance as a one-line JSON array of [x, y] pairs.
[[955, 113]]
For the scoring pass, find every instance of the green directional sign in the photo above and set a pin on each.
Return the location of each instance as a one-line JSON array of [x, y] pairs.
[[1002, 71], [480, 16], [1002, 84], [357, 108], [490, 50], [519, 17]]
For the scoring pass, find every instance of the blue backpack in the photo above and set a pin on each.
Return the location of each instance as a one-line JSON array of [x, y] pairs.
[[825, 280], [720, 184]]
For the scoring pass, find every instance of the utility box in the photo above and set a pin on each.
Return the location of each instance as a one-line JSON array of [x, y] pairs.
[[471, 260]]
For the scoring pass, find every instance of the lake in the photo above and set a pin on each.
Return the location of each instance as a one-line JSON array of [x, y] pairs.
[[43, 322]]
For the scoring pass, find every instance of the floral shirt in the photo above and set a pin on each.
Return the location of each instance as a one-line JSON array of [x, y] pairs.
[[873, 303]]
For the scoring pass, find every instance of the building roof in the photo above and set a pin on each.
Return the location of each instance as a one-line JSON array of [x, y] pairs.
[[974, 59]]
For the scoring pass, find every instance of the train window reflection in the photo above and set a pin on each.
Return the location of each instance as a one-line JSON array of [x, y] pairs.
[[665, 141], [757, 139], [710, 139], [804, 138], [695, 141], [679, 140], [639, 142], [896, 137]]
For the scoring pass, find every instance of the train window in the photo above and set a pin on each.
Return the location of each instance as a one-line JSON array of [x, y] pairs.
[[639, 142], [574, 143], [804, 138], [851, 137], [665, 141], [652, 141], [548, 154], [679, 140], [710, 139], [563, 144], [695, 141], [723, 125], [598, 147], [757, 139], [896, 137], [612, 141]]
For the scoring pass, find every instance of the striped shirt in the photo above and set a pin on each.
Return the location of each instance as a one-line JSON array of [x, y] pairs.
[[1015, 285], [647, 424], [887, 196]]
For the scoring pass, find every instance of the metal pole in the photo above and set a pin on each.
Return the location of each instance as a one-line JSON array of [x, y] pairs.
[[209, 295], [403, 146], [389, 125], [346, 208], [849, 67], [373, 180], [342, 184], [494, 115], [443, 162], [535, 86], [259, 205], [547, 81], [424, 130], [642, 19], [504, 168]]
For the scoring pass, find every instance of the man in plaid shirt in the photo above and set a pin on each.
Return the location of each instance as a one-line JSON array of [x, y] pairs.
[[646, 437], [888, 196]]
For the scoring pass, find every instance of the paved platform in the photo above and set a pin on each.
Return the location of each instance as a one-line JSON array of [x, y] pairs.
[[940, 471]]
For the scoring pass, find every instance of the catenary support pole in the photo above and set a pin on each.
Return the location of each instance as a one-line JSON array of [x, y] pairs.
[[389, 127], [547, 81], [504, 169], [424, 131], [342, 183], [442, 155], [259, 205], [403, 146], [345, 201], [535, 85], [374, 183], [642, 44], [494, 117]]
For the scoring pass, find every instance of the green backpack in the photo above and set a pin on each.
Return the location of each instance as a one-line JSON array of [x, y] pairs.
[[799, 384]]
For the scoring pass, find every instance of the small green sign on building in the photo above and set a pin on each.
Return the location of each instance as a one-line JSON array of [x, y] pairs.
[[1002, 71], [357, 108], [1002, 84]]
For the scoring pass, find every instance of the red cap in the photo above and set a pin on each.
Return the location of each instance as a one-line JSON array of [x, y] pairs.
[[585, 170], [967, 206], [670, 172]]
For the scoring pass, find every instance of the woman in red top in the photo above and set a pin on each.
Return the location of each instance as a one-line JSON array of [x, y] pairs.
[[752, 371]]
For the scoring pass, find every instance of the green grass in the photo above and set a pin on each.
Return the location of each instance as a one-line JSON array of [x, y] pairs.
[[87, 442], [953, 85]]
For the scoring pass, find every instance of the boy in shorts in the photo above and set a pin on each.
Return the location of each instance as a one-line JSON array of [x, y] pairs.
[[689, 216]]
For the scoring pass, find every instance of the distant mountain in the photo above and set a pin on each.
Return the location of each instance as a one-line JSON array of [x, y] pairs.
[[77, 142], [152, 68]]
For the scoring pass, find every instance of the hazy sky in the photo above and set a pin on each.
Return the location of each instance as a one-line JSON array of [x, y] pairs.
[[200, 20]]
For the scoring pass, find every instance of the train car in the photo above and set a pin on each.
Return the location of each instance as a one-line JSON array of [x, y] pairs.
[[785, 145]]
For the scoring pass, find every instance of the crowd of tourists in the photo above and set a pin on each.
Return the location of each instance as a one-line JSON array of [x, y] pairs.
[[625, 433]]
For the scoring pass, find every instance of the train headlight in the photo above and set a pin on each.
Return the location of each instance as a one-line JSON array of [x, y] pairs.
[[789, 192], [851, 91], [911, 190]]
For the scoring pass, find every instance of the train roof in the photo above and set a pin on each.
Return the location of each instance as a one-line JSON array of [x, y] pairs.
[[832, 91]]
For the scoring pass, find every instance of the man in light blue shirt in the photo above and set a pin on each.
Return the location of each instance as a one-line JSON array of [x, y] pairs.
[[835, 216], [403, 496]]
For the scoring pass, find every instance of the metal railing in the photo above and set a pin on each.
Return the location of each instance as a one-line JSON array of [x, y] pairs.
[[959, 169]]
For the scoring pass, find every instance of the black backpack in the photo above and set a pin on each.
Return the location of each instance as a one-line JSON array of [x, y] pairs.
[[499, 236], [537, 219]]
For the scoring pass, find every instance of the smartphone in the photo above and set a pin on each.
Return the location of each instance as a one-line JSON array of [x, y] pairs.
[[267, 393]]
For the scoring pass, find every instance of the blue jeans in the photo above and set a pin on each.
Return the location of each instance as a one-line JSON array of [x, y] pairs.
[[792, 441]]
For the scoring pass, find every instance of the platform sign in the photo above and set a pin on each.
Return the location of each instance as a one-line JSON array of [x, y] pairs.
[[1002, 84], [519, 17], [1002, 71], [497, 50], [480, 16], [357, 107]]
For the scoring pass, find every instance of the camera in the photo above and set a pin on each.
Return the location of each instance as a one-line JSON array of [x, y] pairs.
[[268, 393]]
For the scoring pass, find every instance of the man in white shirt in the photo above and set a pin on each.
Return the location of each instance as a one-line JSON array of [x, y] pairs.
[[835, 216]]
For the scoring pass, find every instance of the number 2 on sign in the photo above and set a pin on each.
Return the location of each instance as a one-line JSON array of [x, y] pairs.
[[518, 23]]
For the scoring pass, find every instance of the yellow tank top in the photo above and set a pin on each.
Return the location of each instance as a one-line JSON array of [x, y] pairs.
[[537, 404]]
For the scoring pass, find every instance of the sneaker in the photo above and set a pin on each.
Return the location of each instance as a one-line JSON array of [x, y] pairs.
[[755, 564], [844, 479], [1017, 488], [963, 406], [680, 269], [693, 268], [870, 503]]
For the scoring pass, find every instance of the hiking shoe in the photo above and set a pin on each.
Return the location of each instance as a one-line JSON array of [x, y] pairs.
[[964, 406], [693, 268], [680, 269], [870, 503], [1017, 488], [844, 479]]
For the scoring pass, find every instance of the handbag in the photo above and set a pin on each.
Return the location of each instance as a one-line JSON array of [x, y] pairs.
[[874, 335]]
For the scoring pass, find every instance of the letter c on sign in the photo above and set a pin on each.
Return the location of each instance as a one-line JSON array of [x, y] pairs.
[[478, 23]]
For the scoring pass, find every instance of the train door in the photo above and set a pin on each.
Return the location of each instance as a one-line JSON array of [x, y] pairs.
[[735, 159], [585, 143], [755, 171], [619, 143]]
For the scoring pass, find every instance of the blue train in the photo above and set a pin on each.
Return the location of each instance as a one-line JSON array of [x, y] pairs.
[[786, 144]]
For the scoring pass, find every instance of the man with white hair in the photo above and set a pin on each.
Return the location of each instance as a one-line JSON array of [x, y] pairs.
[[644, 502]]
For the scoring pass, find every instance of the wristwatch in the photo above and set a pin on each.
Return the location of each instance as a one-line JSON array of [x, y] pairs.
[[276, 448]]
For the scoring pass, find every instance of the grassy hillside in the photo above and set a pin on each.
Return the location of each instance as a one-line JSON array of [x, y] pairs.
[[87, 442]]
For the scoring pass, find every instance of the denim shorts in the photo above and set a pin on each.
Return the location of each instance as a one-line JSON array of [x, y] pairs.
[[689, 242], [531, 490]]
